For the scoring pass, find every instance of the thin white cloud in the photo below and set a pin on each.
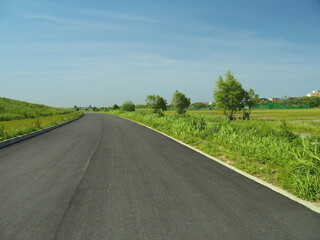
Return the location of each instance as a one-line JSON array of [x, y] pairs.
[[118, 15], [39, 16], [72, 21]]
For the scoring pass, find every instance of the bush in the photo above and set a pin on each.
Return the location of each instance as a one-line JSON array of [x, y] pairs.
[[180, 102], [128, 106]]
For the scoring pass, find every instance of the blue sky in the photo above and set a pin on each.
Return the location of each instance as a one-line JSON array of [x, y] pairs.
[[98, 52]]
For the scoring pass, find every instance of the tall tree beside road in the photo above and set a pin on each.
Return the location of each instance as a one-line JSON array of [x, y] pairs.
[[180, 101], [229, 95]]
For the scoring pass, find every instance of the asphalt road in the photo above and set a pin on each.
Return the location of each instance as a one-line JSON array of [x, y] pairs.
[[104, 177]]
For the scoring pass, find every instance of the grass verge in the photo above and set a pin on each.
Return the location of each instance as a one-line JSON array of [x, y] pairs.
[[14, 128], [274, 154]]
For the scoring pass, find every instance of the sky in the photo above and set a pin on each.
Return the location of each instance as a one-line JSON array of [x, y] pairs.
[[65, 53]]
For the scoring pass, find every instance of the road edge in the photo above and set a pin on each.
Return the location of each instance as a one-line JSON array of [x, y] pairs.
[[26, 136], [279, 190]]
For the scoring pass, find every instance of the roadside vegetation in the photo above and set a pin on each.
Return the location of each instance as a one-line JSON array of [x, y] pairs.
[[180, 102], [14, 128], [128, 106], [14, 110], [274, 154], [157, 104], [280, 146], [300, 121], [18, 117]]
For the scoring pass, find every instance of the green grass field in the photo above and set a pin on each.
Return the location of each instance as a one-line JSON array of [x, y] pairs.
[[302, 121], [266, 114], [268, 149]]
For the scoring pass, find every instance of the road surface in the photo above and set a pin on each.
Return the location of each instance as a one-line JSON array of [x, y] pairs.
[[103, 177]]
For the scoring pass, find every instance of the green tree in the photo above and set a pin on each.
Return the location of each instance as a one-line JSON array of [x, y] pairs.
[[157, 103], [76, 108], [180, 102], [128, 106], [115, 107], [200, 105], [229, 95], [250, 100]]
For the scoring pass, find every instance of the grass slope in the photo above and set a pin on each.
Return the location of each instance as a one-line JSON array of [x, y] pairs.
[[13, 110], [18, 117], [14, 128]]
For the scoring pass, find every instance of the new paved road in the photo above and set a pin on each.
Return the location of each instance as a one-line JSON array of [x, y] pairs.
[[104, 177]]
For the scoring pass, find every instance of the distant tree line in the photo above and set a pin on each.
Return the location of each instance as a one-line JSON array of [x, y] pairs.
[[157, 104], [229, 95], [310, 102]]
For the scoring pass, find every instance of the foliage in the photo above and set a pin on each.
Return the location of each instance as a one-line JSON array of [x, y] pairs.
[[180, 102], [272, 153], [14, 109], [229, 94], [128, 106], [157, 103], [115, 107], [141, 106], [250, 100], [201, 105], [310, 102]]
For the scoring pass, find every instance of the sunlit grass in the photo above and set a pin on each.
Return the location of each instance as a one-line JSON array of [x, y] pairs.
[[267, 114], [10, 129], [304, 121], [13, 110]]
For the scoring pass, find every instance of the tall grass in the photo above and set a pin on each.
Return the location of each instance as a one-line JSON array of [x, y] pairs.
[[275, 154]]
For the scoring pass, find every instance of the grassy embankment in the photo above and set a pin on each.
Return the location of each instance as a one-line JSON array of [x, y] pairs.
[[17, 117], [266, 149]]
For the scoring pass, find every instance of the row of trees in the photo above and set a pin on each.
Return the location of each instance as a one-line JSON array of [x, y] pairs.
[[295, 101], [159, 104], [229, 95]]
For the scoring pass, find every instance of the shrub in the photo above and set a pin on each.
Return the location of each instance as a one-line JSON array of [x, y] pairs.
[[128, 106]]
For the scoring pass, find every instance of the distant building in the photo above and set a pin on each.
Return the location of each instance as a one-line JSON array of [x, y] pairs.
[[272, 99], [315, 93]]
